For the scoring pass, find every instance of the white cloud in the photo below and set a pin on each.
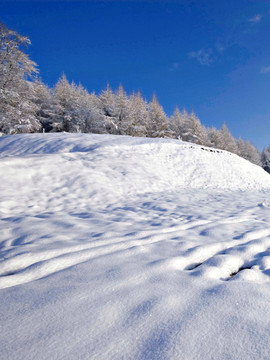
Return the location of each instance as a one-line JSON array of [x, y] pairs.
[[256, 19], [204, 57], [265, 69]]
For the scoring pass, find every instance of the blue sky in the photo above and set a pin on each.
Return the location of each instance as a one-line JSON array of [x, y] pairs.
[[212, 56]]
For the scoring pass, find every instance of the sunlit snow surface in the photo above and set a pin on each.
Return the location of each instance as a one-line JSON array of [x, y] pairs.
[[125, 248]]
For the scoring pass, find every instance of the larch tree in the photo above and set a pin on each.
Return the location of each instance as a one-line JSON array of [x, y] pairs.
[[158, 123], [70, 105], [81, 108], [198, 130], [17, 109], [192, 130], [249, 152], [265, 159], [121, 109], [176, 124], [214, 138], [108, 104], [44, 101], [228, 142], [137, 119], [96, 121]]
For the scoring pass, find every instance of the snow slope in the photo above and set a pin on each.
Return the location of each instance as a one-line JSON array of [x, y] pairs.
[[129, 248]]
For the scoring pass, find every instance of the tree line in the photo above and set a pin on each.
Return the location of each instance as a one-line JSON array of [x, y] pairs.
[[28, 105]]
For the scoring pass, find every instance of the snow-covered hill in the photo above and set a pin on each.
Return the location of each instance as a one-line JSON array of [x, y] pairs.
[[88, 165], [130, 248]]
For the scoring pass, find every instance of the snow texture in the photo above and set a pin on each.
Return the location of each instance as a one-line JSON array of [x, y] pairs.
[[115, 247]]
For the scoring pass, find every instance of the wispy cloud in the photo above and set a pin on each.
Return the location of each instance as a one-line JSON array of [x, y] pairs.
[[174, 66], [220, 48], [256, 19], [204, 57], [265, 69]]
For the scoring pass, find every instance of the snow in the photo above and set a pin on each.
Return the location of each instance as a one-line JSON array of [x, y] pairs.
[[115, 247]]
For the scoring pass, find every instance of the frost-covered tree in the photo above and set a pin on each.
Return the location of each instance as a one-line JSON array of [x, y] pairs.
[[214, 138], [108, 104], [192, 129], [265, 159], [17, 109], [107, 99], [121, 109], [158, 123], [70, 106], [95, 121], [199, 131], [45, 106], [136, 123], [176, 124], [82, 108], [228, 142], [63, 97], [249, 152]]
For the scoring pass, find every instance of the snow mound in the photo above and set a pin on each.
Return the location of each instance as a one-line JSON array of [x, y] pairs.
[[122, 165]]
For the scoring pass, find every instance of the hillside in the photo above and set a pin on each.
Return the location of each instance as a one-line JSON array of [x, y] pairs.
[[116, 167], [116, 247]]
